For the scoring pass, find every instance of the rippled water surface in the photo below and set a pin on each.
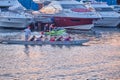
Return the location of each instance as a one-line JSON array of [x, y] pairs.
[[99, 59]]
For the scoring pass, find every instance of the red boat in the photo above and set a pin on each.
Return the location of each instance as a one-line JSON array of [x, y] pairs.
[[70, 14]]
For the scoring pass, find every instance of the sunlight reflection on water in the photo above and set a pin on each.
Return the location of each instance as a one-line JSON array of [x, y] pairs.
[[99, 59]]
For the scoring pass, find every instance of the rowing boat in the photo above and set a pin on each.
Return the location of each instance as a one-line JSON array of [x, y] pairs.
[[75, 42]]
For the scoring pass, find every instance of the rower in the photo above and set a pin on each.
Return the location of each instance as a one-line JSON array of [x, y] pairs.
[[33, 38], [68, 38], [27, 33]]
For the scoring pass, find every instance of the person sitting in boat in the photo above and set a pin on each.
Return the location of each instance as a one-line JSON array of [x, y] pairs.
[[68, 38], [60, 38], [52, 39], [33, 38], [39, 38], [46, 39], [42, 33], [46, 27], [51, 27]]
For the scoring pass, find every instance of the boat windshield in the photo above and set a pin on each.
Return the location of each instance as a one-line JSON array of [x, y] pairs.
[[116, 6], [106, 9], [71, 6], [4, 9]]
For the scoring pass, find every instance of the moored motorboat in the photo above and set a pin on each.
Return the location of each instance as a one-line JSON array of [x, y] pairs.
[[69, 14], [11, 15], [110, 18]]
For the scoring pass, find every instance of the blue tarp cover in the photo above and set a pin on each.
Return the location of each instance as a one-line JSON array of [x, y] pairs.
[[29, 4]]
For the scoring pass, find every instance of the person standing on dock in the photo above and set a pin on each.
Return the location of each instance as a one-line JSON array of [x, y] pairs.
[[27, 33], [46, 27], [51, 27]]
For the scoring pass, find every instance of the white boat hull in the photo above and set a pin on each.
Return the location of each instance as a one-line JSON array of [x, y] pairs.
[[14, 22], [81, 27], [107, 22]]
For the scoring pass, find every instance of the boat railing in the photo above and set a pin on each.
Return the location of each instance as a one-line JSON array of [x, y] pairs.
[[86, 14], [12, 14]]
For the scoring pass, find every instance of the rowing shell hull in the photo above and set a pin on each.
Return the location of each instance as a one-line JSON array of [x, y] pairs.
[[77, 42]]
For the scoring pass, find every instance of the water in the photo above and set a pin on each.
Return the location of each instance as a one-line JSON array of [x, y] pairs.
[[98, 59]]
